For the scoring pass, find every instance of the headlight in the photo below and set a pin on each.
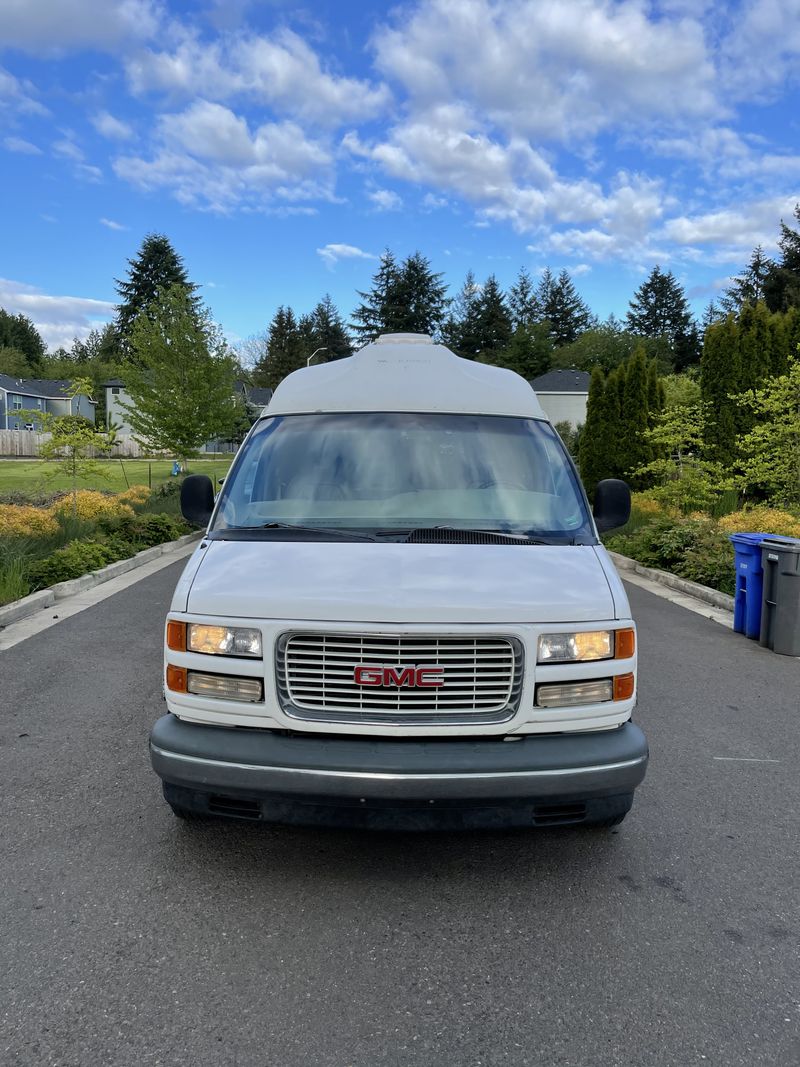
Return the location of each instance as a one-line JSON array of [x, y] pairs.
[[223, 640], [213, 640], [566, 648], [587, 646]]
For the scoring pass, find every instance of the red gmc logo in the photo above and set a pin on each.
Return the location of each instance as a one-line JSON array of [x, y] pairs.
[[422, 677]]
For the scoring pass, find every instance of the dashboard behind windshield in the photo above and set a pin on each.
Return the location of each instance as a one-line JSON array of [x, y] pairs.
[[367, 471]]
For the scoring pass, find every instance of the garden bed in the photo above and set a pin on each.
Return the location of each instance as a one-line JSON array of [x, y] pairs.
[[57, 537], [696, 547]]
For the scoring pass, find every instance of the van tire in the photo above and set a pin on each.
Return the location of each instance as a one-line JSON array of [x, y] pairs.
[[606, 824]]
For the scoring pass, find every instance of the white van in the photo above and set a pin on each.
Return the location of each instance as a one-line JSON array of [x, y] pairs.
[[400, 614]]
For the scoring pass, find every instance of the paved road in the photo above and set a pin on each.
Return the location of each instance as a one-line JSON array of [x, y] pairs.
[[127, 937]]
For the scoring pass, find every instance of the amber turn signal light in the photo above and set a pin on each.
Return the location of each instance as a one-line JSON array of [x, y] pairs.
[[176, 636], [176, 678], [624, 644], [624, 685]]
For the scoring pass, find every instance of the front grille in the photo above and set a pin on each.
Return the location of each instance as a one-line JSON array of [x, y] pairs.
[[482, 678]]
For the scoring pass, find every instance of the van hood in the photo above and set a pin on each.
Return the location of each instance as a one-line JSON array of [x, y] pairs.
[[398, 583]]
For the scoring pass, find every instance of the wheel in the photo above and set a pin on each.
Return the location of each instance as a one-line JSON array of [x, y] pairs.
[[606, 824]]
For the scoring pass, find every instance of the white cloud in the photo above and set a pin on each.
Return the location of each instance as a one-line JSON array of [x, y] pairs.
[[761, 51], [580, 268], [59, 25], [208, 157], [554, 70], [111, 225], [67, 148], [280, 70], [732, 231], [430, 202], [17, 97], [57, 318], [25, 148], [331, 254], [112, 128], [385, 199]]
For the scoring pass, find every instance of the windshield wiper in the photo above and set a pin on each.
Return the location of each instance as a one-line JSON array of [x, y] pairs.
[[429, 533], [343, 533]]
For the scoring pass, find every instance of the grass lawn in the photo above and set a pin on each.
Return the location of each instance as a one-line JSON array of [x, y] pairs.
[[19, 475]]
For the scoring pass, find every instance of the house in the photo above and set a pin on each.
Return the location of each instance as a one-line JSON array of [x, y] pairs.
[[563, 395], [18, 395], [115, 415], [255, 400]]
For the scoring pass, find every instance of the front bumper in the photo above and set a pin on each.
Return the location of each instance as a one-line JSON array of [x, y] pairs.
[[388, 772]]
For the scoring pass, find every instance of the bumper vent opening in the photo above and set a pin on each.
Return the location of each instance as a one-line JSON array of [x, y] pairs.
[[235, 807], [558, 814]]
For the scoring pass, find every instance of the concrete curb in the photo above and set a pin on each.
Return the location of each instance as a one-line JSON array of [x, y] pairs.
[[45, 598], [672, 581]]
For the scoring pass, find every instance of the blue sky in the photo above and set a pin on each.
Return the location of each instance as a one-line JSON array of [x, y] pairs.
[[282, 146]]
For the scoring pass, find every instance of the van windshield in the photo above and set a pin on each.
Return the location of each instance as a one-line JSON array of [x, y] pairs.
[[392, 472]]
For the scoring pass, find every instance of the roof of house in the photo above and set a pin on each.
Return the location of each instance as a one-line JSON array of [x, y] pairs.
[[40, 387], [114, 382], [562, 381], [406, 372], [259, 396]]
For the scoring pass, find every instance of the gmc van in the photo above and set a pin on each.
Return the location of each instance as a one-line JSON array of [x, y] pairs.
[[400, 614]]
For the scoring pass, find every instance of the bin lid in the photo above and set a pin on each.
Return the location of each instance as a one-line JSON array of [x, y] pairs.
[[747, 538], [788, 545]]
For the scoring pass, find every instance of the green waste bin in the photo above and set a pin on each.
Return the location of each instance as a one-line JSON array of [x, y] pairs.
[[780, 606]]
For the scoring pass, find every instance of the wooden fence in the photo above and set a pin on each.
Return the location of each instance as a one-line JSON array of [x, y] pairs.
[[26, 443]]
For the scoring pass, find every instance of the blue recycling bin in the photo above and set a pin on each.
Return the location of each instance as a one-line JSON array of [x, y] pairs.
[[749, 583]]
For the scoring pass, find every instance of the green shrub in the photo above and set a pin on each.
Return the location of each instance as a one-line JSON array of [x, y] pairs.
[[710, 561], [13, 580], [76, 559]]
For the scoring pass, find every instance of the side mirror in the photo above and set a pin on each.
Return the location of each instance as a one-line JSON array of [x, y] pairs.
[[612, 504], [197, 499]]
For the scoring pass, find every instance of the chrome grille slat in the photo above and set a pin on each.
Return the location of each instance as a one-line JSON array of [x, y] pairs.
[[482, 678]]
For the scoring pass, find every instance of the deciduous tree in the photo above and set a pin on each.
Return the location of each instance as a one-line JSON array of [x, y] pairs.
[[181, 376]]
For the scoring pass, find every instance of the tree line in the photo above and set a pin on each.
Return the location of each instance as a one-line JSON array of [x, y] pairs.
[[535, 325]]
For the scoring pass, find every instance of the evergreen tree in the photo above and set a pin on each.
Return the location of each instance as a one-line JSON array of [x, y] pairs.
[[460, 330], [748, 287], [328, 331], [14, 363], [614, 398], [784, 330], [19, 333], [180, 376], [286, 349], [687, 349], [720, 374], [755, 343], [530, 351], [711, 314], [563, 308], [653, 397], [155, 268], [492, 321], [409, 298], [658, 308], [782, 284], [523, 304], [380, 304], [593, 448], [634, 422], [422, 298]]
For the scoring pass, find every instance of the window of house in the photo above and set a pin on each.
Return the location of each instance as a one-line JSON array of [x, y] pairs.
[[115, 390], [16, 404]]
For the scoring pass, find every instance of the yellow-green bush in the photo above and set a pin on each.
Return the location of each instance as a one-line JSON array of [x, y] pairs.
[[90, 505], [136, 495], [761, 520], [23, 520]]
